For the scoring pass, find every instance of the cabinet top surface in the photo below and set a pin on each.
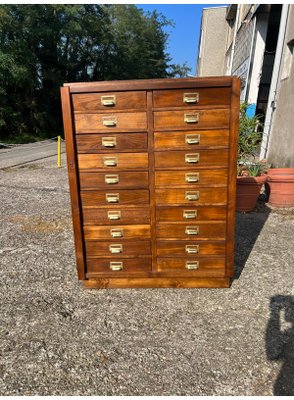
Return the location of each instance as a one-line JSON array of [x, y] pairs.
[[149, 84]]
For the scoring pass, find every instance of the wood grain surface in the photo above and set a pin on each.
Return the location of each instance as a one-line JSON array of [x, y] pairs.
[[126, 180], [124, 161], [178, 140], [178, 230], [122, 142], [93, 102], [94, 123], [169, 98], [177, 159], [129, 232], [98, 198], [183, 178], [172, 120]]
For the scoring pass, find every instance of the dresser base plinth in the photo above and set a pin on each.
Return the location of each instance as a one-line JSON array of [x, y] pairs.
[[112, 283]]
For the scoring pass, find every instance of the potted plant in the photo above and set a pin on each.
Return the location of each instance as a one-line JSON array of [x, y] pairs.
[[250, 171], [281, 187]]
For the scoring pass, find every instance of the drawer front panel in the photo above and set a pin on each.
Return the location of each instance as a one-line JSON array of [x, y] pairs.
[[191, 159], [195, 230], [122, 180], [189, 248], [114, 198], [191, 177], [188, 197], [190, 140], [114, 161], [190, 98], [93, 102], [192, 119], [111, 142], [118, 249], [165, 214], [119, 216], [120, 232], [114, 122], [190, 267], [119, 267]]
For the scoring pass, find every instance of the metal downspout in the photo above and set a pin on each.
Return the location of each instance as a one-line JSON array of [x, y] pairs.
[[274, 83]]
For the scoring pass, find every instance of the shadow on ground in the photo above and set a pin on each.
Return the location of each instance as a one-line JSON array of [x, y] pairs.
[[247, 229], [279, 342]]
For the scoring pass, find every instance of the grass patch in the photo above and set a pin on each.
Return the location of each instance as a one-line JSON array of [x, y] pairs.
[[24, 138]]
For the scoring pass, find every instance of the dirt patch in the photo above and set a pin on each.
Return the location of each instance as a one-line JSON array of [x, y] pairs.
[[39, 225]]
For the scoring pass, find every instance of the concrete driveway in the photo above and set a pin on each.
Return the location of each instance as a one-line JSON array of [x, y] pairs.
[[28, 153], [57, 338]]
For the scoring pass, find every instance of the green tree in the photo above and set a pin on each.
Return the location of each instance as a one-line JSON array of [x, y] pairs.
[[43, 46]]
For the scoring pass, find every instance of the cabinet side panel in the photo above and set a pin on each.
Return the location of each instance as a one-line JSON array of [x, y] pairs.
[[151, 176], [73, 181], [234, 128]]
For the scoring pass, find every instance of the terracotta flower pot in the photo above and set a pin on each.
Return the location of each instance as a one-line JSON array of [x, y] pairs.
[[281, 185], [248, 189]]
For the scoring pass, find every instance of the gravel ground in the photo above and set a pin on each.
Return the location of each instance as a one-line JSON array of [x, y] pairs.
[[57, 338]]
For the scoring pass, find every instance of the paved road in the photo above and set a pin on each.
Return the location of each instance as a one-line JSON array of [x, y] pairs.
[[26, 153]]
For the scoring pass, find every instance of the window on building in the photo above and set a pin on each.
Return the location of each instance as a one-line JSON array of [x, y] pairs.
[[287, 60]]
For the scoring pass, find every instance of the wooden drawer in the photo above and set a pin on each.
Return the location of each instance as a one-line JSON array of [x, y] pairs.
[[111, 266], [109, 198], [118, 249], [189, 248], [111, 142], [110, 122], [164, 214], [191, 159], [191, 119], [120, 232], [191, 178], [191, 140], [192, 197], [114, 161], [93, 102], [190, 98], [192, 230], [118, 216], [122, 180], [179, 266]]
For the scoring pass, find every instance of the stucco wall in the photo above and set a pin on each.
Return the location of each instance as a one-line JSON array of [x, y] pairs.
[[281, 145], [211, 61]]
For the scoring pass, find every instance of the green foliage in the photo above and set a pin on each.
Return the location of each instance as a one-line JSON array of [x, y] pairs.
[[43, 46], [249, 139]]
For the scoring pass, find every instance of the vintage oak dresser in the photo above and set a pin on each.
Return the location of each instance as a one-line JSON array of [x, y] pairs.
[[152, 174]]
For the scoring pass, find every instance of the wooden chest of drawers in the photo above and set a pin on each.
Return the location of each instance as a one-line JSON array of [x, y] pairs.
[[152, 173]]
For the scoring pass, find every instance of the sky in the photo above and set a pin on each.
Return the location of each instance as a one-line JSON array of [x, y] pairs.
[[184, 36]]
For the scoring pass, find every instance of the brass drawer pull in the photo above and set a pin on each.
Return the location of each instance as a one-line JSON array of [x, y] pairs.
[[190, 97], [192, 264], [190, 214], [111, 179], [109, 141], [192, 196], [108, 100], [114, 215], [116, 265], [192, 139], [117, 232], [192, 230], [191, 118], [112, 197], [192, 248], [192, 158], [110, 161], [192, 177], [115, 248], [109, 121]]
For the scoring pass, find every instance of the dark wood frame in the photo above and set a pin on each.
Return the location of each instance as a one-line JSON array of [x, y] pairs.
[[149, 85]]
